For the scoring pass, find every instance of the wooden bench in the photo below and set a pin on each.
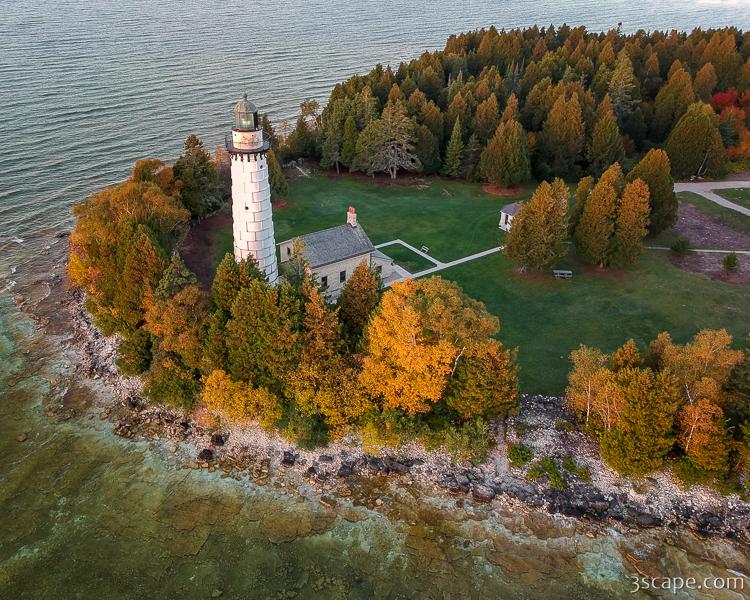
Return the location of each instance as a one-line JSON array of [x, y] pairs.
[[562, 274], [425, 249]]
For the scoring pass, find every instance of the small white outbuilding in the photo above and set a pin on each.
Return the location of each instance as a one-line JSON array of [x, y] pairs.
[[507, 214]]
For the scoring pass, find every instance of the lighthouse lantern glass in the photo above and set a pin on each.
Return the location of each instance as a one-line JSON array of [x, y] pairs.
[[246, 120]]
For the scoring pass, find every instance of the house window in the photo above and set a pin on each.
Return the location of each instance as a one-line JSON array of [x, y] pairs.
[[379, 269], [342, 277], [288, 250], [324, 281]]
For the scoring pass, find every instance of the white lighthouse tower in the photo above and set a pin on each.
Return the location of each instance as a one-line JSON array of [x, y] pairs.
[[251, 192]]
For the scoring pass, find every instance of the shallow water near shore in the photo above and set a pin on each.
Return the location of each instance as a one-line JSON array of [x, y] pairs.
[[88, 514]]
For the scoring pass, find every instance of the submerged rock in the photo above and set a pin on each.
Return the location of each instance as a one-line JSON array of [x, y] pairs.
[[21, 437]]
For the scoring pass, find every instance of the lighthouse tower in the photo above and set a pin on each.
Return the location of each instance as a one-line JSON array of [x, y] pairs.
[[251, 192]]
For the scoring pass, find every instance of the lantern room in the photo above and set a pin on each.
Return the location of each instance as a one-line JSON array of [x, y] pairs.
[[246, 115]]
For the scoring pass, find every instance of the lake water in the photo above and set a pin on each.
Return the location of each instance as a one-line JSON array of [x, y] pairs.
[[86, 88]]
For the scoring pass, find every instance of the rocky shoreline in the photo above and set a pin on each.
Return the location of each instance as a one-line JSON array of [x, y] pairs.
[[597, 502]]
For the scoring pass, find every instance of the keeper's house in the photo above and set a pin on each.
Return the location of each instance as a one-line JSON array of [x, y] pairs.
[[334, 253]]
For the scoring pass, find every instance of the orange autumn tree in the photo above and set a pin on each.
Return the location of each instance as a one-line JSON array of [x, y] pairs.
[[417, 340], [702, 367]]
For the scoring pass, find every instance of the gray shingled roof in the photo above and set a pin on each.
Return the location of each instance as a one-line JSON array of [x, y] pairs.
[[335, 244], [511, 209]]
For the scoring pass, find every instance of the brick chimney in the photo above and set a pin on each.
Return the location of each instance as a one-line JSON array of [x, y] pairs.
[[351, 217]]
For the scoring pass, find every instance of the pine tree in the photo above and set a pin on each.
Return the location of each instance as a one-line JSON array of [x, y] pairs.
[[606, 142], [358, 300], [214, 343], [511, 110], [597, 223], [536, 240], [643, 434], [671, 103], [201, 187], [505, 160], [226, 283], [453, 165], [705, 82], [583, 189], [695, 147], [563, 135], [261, 340], [472, 154], [623, 89], [277, 181], [269, 134], [484, 383], [486, 118], [387, 144], [655, 170], [176, 277], [631, 225], [349, 142], [427, 150]]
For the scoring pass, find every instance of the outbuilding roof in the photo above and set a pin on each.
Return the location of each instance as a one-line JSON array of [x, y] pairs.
[[335, 244], [511, 209]]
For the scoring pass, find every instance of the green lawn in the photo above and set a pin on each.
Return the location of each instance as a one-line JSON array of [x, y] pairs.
[[739, 196], [544, 317], [547, 318], [729, 216], [453, 219], [406, 258]]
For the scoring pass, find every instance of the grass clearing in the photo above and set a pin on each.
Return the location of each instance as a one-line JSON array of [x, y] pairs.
[[739, 196], [544, 317]]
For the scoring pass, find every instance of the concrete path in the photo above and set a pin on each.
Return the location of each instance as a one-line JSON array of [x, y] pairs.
[[705, 189], [412, 248], [305, 173], [439, 266]]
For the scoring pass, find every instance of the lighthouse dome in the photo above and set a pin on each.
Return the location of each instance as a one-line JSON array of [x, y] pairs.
[[245, 115]]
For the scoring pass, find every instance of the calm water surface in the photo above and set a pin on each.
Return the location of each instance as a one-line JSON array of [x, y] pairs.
[[86, 88]]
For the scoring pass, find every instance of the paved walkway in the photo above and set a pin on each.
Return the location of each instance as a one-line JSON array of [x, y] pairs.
[[439, 266], [705, 189]]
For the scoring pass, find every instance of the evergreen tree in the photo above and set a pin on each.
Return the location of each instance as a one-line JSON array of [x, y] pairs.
[[631, 225], [226, 283], [484, 383], [427, 149], [486, 119], [536, 240], [563, 136], [511, 110], [505, 160], [583, 189], [277, 181], [349, 141], [358, 300], [261, 341], [654, 169], [453, 165], [176, 277], [201, 187], [472, 154], [643, 434], [695, 147], [597, 223], [214, 344], [671, 103], [387, 144], [705, 82], [269, 134], [623, 89], [606, 142]]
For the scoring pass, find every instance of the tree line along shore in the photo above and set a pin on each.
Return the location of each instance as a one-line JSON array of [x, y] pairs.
[[620, 115]]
